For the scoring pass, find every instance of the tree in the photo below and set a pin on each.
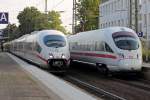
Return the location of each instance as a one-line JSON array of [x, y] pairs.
[[11, 31], [31, 19], [55, 21], [87, 14]]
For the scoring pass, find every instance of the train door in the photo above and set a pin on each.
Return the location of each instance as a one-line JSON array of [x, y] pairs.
[[110, 57]]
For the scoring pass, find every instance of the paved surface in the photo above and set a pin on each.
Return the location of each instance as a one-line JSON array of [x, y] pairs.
[[57, 88], [146, 64], [15, 84], [22, 81]]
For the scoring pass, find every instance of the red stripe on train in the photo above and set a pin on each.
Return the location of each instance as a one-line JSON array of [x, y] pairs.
[[95, 55], [41, 58]]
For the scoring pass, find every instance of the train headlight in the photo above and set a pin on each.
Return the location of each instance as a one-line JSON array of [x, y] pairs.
[[63, 56], [51, 56]]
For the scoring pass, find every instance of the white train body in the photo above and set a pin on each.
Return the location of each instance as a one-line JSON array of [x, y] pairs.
[[47, 48], [116, 48]]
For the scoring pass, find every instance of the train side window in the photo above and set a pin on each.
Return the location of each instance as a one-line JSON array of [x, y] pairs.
[[38, 47], [99, 46], [107, 48]]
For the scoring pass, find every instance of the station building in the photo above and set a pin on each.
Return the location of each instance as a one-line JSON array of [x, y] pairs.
[[123, 13]]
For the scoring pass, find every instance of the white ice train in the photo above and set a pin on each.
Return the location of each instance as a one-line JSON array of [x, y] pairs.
[[47, 48], [112, 49]]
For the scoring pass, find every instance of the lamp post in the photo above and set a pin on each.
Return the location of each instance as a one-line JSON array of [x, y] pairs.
[[8, 35], [45, 6], [74, 17], [147, 38]]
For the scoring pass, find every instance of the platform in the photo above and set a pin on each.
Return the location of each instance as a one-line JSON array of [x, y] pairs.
[[147, 65], [26, 82], [15, 84]]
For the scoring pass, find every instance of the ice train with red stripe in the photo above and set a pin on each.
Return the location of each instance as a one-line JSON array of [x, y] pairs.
[[47, 48], [113, 49]]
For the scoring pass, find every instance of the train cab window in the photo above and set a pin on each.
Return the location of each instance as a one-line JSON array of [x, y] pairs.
[[54, 41], [107, 48], [38, 47], [125, 40]]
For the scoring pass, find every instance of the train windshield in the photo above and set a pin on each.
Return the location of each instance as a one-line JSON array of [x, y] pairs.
[[125, 40], [54, 41]]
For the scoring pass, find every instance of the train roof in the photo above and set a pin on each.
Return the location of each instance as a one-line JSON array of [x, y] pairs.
[[52, 32], [39, 34], [109, 30], [100, 34]]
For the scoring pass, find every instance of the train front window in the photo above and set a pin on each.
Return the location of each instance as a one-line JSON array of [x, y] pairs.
[[126, 41], [54, 41]]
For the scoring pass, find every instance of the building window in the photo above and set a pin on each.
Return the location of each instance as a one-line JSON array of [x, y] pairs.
[[111, 23], [115, 6], [118, 5], [140, 17], [140, 27], [145, 20], [122, 22], [118, 22], [122, 4], [149, 19], [103, 25], [111, 7], [127, 3], [101, 10], [114, 23], [127, 23], [106, 9]]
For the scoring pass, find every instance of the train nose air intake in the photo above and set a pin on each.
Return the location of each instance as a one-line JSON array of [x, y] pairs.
[[56, 62]]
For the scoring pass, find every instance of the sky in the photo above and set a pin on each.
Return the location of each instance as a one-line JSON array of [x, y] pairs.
[[13, 7]]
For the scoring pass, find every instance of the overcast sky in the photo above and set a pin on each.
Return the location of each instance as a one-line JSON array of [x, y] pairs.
[[15, 6]]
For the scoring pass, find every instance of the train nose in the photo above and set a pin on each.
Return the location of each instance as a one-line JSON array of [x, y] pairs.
[[58, 59], [132, 65], [54, 55]]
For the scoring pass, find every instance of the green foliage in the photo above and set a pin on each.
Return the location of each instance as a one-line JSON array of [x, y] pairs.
[[55, 22], [87, 14], [31, 19], [145, 51], [11, 31]]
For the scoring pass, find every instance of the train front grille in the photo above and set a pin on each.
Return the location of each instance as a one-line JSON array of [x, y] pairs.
[[60, 63]]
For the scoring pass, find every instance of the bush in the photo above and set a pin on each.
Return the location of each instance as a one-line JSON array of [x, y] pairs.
[[145, 52]]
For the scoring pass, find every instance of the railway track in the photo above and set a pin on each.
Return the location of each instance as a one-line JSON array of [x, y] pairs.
[[139, 83], [100, 85], [93, 89], [107, 94]]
